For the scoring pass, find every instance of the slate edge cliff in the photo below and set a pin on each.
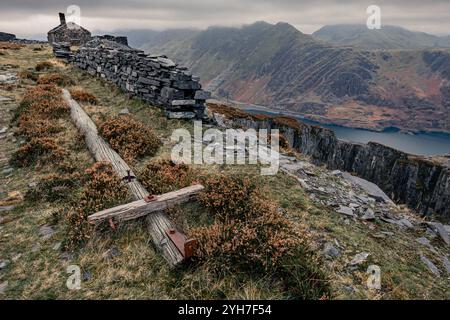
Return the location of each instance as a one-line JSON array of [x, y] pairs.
[[421, 183]]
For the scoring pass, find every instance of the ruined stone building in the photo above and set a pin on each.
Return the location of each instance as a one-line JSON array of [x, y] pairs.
[[68, 32]]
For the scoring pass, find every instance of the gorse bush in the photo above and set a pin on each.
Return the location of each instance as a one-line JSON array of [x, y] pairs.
[[129, 137], [83, 96], [163, 175], [102, 189]]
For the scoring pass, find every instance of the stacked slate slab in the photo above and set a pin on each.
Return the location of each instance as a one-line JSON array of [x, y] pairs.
[[62, 50], [155, 79]]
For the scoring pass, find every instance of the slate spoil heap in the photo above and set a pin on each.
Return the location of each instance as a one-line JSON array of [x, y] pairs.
[[155, 79]]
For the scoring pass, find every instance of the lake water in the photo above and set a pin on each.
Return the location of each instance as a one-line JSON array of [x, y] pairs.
[[421, 143]]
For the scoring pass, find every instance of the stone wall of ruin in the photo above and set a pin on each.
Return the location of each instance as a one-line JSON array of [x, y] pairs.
[[155, 79]]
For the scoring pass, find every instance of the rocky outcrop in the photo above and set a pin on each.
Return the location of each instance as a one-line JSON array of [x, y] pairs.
[[421, 183], [155, 79], [7, 36]]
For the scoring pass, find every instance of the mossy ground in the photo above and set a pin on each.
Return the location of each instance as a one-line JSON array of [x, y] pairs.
[[122, 264]]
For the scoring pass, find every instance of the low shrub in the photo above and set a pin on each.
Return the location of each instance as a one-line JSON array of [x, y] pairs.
[[10, 46], [161, 176], [129, 137], [55, 78], [28, 75], [32, 127], [45, 99], [250, 235], [229, 197], [43, 65], [102, 189], [38, 150], [83, 96], [55, 187]]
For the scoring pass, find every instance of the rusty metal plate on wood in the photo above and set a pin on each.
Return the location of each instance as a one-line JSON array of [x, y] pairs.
[[185, 246]]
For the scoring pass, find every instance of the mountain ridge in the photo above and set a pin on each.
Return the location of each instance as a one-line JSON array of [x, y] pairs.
[[278, 66]]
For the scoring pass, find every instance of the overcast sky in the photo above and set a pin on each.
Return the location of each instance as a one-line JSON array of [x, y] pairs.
[[31, 18]]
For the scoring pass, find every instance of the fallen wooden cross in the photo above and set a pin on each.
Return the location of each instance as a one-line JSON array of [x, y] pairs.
[[141, 208], [173, 245]]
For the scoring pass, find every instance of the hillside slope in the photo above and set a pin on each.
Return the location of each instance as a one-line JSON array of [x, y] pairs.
[[280, 67], [388, 37]]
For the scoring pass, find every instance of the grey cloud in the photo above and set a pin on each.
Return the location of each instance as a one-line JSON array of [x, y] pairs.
[[31, 17]]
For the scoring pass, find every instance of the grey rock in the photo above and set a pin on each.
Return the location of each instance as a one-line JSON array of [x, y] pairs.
[[7, 170], [124, 112], [57, 246], [372, 189], [406, 223], [330, 251], [5, 99], [431, 266], [359, 258], [4, 264], [6, 208], [3, 130], [3, 287], [368, 214], [111, 253], [442, 232], [346, 211], [337, 173], [180, 115], [446, 264], [46, 232], [202, 95]]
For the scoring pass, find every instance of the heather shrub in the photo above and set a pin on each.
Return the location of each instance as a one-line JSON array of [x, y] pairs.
[[83, 96], [42, 100], [253, 238], [38, 150], [55, 187], [10, 46], [55, 78], [129, 137], [161, 176], [229, 197], [102, 189], [32, 127], [28, 75], [250, 235], [43, 65]]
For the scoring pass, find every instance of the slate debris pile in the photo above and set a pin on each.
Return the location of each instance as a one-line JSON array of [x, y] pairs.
[[62, 50], [155, 79]]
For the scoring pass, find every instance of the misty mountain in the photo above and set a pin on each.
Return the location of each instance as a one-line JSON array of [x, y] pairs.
[[280, 67], [388, 37]]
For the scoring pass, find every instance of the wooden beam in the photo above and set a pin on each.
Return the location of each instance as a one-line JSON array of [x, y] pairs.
[[141, 208], [158, 222]]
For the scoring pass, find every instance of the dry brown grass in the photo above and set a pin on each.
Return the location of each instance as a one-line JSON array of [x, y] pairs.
[[10, 46]]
